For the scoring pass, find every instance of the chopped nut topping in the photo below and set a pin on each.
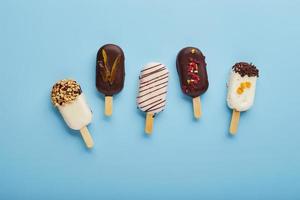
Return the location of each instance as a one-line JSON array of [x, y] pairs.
[[65, 91]]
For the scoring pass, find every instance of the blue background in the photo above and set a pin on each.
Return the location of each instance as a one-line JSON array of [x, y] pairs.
[[45, 41]]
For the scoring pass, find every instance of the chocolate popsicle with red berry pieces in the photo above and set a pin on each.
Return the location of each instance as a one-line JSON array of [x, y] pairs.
[[191, 68], [110, 73]]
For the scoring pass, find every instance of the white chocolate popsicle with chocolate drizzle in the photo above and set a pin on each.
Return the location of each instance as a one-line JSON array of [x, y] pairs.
[[67, 96], [241, 91], [152, 93]]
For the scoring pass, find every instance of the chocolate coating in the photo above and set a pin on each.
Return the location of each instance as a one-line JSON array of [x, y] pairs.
[[110, 69], [191, 68]]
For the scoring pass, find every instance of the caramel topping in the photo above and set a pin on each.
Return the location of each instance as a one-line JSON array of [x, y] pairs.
[[240, 90], [243, 86], [248, 84]]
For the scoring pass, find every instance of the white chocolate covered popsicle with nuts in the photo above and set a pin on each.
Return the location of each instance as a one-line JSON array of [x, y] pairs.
[[241, 91], [152, 91], [67, 96]]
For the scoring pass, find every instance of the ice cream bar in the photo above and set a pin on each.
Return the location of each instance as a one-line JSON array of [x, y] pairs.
[[241, 90], [191, 68], [110, 73], [152, 91], [67, 96]]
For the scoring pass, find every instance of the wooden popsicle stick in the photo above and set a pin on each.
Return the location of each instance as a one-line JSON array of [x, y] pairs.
[[149, 123], [87, 137], [108, 105], [234, 122], [197, 107]]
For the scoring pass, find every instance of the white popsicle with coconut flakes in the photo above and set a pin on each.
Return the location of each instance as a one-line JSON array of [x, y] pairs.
[[152, 93], [241, 91], [67, 96]]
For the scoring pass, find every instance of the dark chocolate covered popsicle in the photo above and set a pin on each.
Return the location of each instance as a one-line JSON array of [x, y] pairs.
[[191, 68], [110, 73]]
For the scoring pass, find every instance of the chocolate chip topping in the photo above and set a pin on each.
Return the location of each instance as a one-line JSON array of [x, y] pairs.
[[244, 68], [65, 91]]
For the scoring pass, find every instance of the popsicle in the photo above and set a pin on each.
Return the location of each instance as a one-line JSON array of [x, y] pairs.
[[241, 91], [67, 96], [191, 68], [110, 73], [152, 93]]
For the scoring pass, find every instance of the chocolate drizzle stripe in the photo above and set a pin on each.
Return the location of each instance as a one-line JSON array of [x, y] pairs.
[[154, 80], [150, 87], [153, 87], [151, 91], [156, 108], [161, 102], [151, 67], [153, 72], [150, 103], [150, 84], [152, 97]]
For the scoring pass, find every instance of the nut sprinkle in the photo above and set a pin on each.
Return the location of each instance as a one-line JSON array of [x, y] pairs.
[[64, 92]]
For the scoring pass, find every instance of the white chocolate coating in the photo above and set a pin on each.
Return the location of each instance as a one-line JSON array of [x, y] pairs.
[[153, 88], [76, 114], [240, 102]]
